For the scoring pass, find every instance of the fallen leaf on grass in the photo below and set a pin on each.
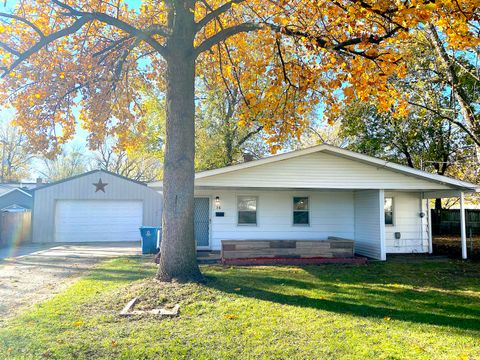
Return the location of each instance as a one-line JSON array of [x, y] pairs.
[[230, 316], [10, 349], [237, 289], [464, 357], [78, 323], [386, 318], [114, 343]]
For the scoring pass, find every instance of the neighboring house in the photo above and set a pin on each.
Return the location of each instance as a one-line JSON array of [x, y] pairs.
[[15, 199], [318, 192], [92, 207]]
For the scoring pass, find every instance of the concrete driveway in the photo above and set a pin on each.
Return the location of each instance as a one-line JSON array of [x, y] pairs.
[[33, 273]]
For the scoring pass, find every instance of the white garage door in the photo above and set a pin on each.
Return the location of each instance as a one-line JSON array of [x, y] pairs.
[[91, 220]]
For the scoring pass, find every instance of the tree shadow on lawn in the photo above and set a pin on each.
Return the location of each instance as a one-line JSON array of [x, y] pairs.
[[136, 269], [336, 291]]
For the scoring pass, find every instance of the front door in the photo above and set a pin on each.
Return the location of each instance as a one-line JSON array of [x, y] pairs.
[[202, 222]]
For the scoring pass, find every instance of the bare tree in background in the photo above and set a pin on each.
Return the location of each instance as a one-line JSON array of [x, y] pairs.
[[136, 166], [69, 163], [15, 154]]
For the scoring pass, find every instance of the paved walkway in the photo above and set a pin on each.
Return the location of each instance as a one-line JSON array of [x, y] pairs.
[[33, 273]]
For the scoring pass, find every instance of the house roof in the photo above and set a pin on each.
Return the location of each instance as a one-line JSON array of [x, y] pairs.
[[8, 191], [325, 148], [14, 207], [47, 185]]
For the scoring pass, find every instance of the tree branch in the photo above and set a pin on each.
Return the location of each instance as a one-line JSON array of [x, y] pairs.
[[112, 46], [9, 49], [282, 61], [449, 119], [249, 135], [25, 21], [120, 24], [457, 89], [216, 13], [223, 35], [77, 25], [157, 29], [341, 46]]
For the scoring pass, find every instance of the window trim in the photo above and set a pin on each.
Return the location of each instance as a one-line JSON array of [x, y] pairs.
[[256, 209], [293, 210], [393, 210]]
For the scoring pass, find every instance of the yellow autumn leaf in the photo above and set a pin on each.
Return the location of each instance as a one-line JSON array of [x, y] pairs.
[[78, 323], [348, 91], [386, 318], [230, 316]]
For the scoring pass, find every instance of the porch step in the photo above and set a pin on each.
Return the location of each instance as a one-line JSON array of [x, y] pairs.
[[209, 257], [294, 261]]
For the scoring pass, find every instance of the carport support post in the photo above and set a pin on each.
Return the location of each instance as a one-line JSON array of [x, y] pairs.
[[463, 230]]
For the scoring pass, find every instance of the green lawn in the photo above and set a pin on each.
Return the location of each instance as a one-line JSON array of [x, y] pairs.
[[405, 308]]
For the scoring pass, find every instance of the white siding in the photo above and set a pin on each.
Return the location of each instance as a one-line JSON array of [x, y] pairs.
[[82, 188], [406, 220], [369, 224], [331, 214], [318, 170]]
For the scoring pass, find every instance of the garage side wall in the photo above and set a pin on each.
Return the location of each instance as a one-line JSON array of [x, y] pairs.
[[82, 188]]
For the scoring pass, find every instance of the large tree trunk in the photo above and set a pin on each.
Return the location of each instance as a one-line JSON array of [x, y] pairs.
[[178, 259]]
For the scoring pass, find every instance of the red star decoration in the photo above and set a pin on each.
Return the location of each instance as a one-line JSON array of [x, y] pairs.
[[100, 186]]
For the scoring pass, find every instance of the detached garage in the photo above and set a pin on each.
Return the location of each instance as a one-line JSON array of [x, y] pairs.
[[94, 207]]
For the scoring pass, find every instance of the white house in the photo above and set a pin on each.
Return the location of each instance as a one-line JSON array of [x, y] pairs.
[[320, 192]]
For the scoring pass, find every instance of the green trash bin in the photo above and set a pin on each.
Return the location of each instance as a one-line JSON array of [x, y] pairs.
[[149, 239]]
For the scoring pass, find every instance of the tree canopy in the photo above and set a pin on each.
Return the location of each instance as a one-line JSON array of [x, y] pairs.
[[56, 55]]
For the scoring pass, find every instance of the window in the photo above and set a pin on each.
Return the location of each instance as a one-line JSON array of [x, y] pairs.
[[247, 210], [388, 208], [300, 211]]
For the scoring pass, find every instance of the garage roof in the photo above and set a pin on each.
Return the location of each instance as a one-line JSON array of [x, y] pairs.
[[47, 185]]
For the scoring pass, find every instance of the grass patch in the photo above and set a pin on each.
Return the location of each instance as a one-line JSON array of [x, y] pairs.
[[405, 308]]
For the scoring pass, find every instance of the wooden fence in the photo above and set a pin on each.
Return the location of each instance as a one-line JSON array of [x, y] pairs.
[[15, 228], [447, 222]]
